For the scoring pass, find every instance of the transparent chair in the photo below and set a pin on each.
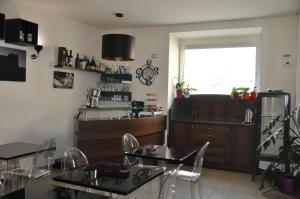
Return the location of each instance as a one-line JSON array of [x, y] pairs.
[[194, 177], [42, 161], [74, 158], [49, 154], [168, 184], [129, 143]]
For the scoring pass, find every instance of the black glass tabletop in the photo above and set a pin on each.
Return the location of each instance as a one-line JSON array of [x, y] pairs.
[[110, 177], [17, 150], [157, 152]]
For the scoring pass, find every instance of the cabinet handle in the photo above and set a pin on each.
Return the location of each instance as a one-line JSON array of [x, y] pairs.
[[210, 128]]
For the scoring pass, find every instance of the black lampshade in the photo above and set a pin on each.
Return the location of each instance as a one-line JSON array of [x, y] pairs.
[[118, 47]]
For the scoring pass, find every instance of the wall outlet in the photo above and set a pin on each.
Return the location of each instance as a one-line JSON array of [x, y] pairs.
[[286, 60]]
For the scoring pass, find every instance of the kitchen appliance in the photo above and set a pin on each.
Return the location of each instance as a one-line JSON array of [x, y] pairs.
[[92, 98], [137, 107], [248, 116]]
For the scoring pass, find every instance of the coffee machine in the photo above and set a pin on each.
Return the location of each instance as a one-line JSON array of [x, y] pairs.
[[137, 107], [92, 97]]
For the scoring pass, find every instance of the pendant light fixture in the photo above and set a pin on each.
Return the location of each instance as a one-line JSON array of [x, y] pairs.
[[118, 47]]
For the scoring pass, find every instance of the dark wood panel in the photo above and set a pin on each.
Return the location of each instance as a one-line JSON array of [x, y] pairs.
[[217, 119], [102, 139], [181, 134], [242, 147]]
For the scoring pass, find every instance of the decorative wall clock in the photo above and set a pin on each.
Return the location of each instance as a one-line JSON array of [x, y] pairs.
[[147, 73]]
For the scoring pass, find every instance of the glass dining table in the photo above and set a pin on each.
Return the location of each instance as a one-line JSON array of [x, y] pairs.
[[12, 153], [163, 154], [105, 177]]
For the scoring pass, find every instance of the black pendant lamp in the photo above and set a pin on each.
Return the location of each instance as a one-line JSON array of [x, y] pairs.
[[118, 47]]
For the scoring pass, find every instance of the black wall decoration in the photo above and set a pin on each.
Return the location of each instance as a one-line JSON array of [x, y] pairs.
[[12, 64], [147, 73], [2, 24]]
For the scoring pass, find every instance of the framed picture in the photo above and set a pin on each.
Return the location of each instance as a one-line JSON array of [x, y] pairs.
[[12, 64], [63, 80]]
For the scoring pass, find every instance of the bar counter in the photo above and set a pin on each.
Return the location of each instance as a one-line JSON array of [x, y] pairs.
[[101, 139]]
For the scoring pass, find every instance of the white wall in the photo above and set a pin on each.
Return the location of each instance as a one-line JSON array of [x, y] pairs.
[[149, 41], [32, 111], [279, 36], [298, 66]]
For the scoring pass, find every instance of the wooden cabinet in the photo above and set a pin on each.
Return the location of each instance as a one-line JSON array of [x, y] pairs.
[[182, 133], [216, 119], [231, 146], [242, 147], [218, 136], [21, 32]]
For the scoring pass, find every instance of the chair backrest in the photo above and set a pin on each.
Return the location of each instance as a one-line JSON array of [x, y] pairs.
[[42, 154], [74, 158], [198, 162], [168, 185], [129, 142], [298, 115]]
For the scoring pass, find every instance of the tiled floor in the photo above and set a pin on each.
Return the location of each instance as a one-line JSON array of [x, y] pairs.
[[217, 184]]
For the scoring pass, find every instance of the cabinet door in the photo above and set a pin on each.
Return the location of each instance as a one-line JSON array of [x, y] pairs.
[[242, 147], [217, 151], [180, 134]]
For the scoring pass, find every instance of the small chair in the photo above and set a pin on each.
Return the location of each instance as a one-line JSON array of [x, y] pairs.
[[49, 154], [74, 158], [40, 164], [194, 177], [129, 143], [168, 184]]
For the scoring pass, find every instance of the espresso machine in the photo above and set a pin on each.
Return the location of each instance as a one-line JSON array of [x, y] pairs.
[[137, 107], [92, 98]]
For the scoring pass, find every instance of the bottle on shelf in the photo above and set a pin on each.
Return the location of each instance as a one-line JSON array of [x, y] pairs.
[[70, 59], [93, 64], [21, 33], [77, 61], [62, 55], [29, 35]]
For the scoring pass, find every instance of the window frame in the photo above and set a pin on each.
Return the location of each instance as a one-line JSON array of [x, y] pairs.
[[222, 42]]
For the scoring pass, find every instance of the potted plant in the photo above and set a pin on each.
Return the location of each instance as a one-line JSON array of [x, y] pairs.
[[285, 179], [187, 91], [179, 89]]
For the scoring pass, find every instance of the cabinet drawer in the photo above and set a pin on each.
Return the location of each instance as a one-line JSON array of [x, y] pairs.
[[216, 135]]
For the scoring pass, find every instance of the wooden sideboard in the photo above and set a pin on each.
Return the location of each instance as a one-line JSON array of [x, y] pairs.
[[102, 139], [216, 119]]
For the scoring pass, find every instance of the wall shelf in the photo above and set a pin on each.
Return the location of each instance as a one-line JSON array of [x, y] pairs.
[[118, 77], [73, 68], [2, 26], [21, 32]]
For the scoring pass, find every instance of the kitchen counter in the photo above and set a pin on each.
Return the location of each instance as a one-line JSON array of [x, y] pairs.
[[230, 123], [101, 139]]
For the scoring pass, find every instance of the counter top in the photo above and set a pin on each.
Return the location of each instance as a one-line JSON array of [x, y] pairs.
[[230, 123]]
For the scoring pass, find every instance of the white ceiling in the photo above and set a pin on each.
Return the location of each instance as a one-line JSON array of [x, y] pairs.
[[140, 13]]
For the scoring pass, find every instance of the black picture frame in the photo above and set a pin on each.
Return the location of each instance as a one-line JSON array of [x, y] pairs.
[[12, 64], [63, 80]]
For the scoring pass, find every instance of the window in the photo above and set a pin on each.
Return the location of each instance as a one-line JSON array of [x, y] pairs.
[[218, 70]]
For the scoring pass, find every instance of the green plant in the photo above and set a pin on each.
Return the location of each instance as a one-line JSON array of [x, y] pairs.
[[188, 89], [289, 154], [180, 86]]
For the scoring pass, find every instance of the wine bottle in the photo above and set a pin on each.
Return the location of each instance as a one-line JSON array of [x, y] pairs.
[[21, 33], [77, 64], [93, 63], [70, 59], [29, 35]]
